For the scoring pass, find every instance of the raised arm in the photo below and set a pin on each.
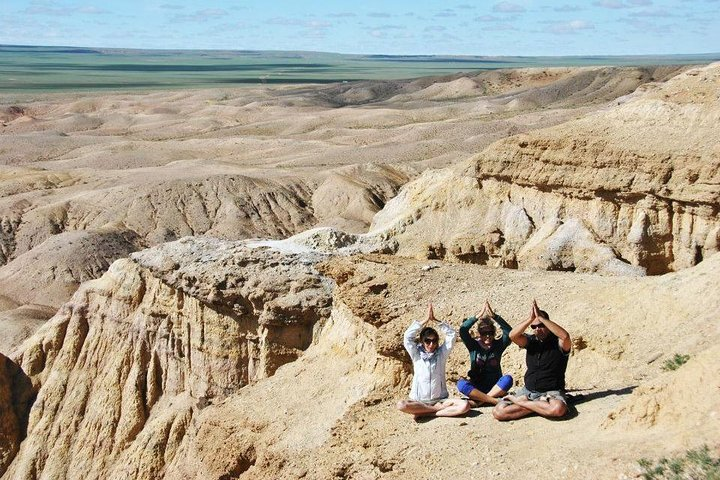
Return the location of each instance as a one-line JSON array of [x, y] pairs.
[[409, 339], [449, 336], [517, 334], [505, 327], [563, 336], [465, 333]]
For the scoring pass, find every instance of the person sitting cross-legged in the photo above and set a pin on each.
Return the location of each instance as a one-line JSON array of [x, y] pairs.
[[429, 394], [547, 352], [485, 382]]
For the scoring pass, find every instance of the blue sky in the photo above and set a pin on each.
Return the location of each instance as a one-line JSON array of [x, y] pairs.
[[462, 27]]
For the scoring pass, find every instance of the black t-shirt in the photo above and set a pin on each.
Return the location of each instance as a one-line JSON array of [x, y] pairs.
[[546, 364]]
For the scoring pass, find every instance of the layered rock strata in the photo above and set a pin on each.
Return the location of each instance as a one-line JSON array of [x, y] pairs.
[[211, 359], [632, 189], [149, 371], [265, 162], [145, 346]]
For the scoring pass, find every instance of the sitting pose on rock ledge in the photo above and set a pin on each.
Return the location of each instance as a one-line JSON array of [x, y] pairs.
[[429, 394], [485, 381], [547, 352]]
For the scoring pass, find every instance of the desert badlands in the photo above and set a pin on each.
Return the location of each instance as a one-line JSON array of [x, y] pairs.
[[214, 284]]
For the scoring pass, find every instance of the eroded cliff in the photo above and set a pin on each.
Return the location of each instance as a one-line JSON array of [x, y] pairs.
[[206, 359], [631, 189], [188, 323]]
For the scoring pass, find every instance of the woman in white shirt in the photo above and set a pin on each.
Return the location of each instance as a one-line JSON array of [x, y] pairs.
[[429, 394]]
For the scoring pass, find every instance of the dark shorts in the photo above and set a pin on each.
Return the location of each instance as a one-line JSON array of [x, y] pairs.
[[542, 396]]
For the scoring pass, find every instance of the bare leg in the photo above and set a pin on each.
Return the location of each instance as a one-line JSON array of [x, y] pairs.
[[481, 397], [496, 392], [505, 411], [418, 408], [522, 407], [447, 408], [551, 408], [452, 408]]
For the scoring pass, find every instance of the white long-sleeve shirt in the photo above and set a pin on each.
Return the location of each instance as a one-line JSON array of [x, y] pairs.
[[429, 375]]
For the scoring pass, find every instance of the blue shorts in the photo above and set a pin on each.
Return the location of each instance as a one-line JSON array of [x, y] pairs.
[[465, 386]]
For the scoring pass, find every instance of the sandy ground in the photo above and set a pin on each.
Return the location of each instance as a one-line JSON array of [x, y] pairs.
[[627, 406], [139, 169]]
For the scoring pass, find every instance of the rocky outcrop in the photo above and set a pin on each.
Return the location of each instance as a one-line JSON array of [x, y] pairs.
[[134, 354], [15, 400], [51, 272], [349, 197], [661, 402], [20, 322], [264, 162], [210, 359], [163, 206], [631, 189], [38, 282], [205, 358]]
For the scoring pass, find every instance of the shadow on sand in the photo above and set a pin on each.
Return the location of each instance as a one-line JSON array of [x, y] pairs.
[[577, 399]]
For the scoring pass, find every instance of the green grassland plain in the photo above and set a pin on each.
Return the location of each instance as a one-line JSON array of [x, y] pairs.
[[34, 69]]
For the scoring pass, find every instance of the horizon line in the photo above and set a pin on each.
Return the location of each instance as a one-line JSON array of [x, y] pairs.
[[594, 55]]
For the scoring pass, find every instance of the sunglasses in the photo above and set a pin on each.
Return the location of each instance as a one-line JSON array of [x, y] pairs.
[[430, 341], [486, 333], [537, 325]]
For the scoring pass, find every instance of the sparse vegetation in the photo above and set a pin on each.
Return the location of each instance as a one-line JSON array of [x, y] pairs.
[[698, 464], [675, 362]]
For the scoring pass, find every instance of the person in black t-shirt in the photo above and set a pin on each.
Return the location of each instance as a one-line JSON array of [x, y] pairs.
[[547, 351]]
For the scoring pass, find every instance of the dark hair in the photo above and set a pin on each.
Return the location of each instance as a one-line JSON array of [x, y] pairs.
[[544, 314], [486, 324], [427, 331]]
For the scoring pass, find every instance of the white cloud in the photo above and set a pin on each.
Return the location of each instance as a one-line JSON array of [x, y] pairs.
[[657, 12], [284, 21], [446, 13], [390, 27], [613, 4], [642, 26], [91, 10], [617, 4], [573, 26], [500, 27], [201, 15], [568, 8], [294, 22], [487, 18], [507, 7], [52, 9]]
